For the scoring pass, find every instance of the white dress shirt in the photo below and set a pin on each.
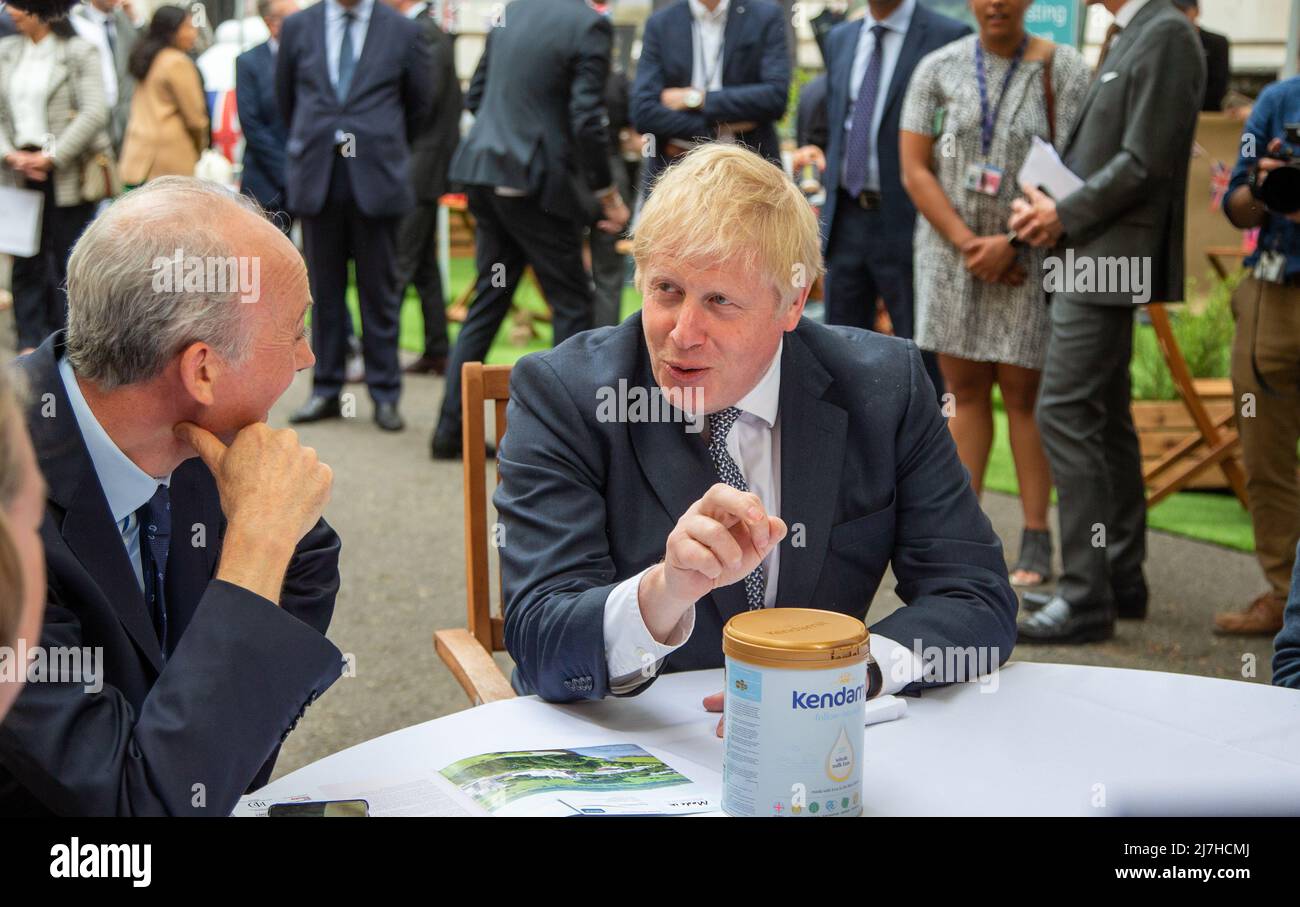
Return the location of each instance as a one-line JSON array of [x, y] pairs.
[[29, 91], [415, 11], [632, 654], [1127, 12], [126, 486], [708, 33], [898, 23], [334, 12], [92, 26]]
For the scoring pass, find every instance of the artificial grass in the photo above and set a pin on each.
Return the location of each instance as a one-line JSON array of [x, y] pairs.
[[1207, 516], [1204, 515]]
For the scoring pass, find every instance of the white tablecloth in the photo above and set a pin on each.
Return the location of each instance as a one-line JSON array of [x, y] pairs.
[[1043, 740]]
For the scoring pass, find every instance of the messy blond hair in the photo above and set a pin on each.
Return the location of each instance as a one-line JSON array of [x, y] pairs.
[[723, 203], [11, 576]]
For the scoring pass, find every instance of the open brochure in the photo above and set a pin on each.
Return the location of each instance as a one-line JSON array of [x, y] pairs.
[[618, 779]]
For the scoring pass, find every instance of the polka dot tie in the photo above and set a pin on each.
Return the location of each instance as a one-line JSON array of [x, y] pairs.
[[720, 424]]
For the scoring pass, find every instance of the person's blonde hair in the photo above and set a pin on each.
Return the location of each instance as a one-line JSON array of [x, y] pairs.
[[11, 574], [723, 203]]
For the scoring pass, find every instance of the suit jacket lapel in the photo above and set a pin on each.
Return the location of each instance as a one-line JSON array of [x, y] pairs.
[[840, 89], [679, 42], [79, 507], [191, 559], [1127, 38], [323, 47], [813, 438], [732, 32], [908, 57], [674, 461], [376, 35]]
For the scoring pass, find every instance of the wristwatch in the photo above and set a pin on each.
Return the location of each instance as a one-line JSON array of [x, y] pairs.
[[693, 99], [875, 679]]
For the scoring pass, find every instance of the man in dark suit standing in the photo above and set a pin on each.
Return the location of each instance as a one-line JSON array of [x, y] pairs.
[[660, 522], [107, 25], [259, 116], [431, 151], [868, 218], [348, 74], [1215, 45], [711, 69], [536, 168], [1131, 145], [195, 591]]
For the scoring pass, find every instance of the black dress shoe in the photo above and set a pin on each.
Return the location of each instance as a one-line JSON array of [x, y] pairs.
[[1131, 601], [316, 409], [427, 365], [388, 418], [446, 448], [1062, 623]]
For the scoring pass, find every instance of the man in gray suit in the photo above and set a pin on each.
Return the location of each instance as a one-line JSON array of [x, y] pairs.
[[105, 24], [1118, 242]]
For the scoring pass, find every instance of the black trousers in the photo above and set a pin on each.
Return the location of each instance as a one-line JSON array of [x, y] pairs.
[[417, 263], [865, 259], [513, 233], [338, 233], [40, 297], [1086, 421]]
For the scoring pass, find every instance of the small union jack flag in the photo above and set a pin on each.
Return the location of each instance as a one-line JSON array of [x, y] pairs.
[[1220, 175]]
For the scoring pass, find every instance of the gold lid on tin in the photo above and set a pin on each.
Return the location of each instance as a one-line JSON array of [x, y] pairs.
[[795, 638]]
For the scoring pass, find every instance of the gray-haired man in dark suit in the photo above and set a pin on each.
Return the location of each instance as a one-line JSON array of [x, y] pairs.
[[1131, 145]]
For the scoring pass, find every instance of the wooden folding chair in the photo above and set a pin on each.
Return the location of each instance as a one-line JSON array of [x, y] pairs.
[[467, 651], [1215, 442]]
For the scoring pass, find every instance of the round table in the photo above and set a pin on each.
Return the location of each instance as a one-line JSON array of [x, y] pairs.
[[1034, 739]]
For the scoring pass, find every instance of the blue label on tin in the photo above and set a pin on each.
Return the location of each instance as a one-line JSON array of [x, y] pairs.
[[745, 683]]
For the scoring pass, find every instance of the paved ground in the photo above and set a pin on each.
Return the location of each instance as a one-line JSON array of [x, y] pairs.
[[400, 516]]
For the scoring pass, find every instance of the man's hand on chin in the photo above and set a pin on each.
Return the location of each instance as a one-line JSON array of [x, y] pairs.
[[1034, 219], [273, 491]]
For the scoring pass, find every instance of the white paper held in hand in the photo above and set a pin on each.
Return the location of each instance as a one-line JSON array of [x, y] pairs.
[[20, 228], [1043, 169]]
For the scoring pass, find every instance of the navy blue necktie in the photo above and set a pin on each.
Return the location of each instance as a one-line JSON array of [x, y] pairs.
[[864, 111], [155, 541], [347, 59]]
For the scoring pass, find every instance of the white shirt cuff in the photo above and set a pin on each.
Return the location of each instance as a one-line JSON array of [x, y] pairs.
[[899, 665], [632, 654]]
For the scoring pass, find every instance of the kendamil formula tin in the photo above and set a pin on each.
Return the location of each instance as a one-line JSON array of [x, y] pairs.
[[796, 697]]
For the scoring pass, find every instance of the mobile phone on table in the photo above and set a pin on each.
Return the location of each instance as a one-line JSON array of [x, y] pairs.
[[319, 808]]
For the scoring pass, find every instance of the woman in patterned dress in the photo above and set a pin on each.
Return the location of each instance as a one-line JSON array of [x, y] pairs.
[[972, 111]]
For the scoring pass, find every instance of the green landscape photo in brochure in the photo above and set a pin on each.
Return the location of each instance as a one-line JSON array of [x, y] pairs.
[[494, 780]]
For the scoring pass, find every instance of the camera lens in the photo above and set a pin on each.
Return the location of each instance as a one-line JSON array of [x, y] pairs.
[[1281, 190]]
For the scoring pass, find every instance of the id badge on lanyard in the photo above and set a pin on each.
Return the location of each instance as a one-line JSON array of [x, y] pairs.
[[982, 176]]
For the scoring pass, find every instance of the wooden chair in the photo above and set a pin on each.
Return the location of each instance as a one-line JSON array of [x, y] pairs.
[[1215, 441], [467, 651]]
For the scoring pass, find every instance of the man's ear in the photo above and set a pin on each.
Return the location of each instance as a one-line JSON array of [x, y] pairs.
[[199, 370], [790, 318]]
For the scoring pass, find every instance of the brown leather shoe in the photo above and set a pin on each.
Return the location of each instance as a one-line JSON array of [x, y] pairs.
[[1262, 618]]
